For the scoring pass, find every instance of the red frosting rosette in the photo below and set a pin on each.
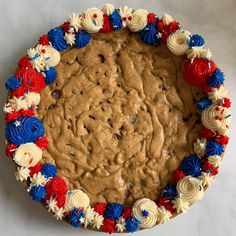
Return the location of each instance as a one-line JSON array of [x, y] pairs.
[[56, 187], [106, 24], [198, 70]]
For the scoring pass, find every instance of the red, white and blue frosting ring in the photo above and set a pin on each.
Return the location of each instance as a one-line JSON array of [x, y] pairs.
[[25, 132]]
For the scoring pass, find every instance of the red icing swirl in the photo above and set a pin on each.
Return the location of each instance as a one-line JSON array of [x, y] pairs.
[[35, 169], [166, 202], [10, 149], [42, 142], [100, 208], [44, 40], [109, 226], [106, 24], [151, 18], [198, 71], [222, 139], [19, 92], [208, 167], [24, 62], [207, 133], [177, 175], [127, 212], [56, 186], [33, 81]]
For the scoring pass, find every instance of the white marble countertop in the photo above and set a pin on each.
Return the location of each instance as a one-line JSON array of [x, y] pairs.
[[23, 21]]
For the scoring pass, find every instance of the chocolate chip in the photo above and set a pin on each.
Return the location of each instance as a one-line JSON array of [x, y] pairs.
[[102, 58], [56, 94]]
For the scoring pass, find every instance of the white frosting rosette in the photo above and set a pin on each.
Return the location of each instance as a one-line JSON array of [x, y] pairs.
[[163, 215], [145, 204], [22, 173], [108, 9], [92, 20], [167, 19], [75, 21], [178, 42], [32, 98], [216, 118], [180, 205], [199, 52], [138, 20], [218, 93], [190, 189], [37, 61], [199, 147], [38, 179], [207, 179], [27, 155], [70, 38], [215, 160], [18, 103], [51, 56], [76, 199], [125, 13]]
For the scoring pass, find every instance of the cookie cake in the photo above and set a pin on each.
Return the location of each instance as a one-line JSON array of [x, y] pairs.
[[117, 120]]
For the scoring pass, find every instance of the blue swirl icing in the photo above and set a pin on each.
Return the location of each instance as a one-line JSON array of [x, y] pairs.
[[12, 83], [114, 210], [115, 20], [204, 103], [132, 224], [169, 191], [196, 40], [82, 38], [213, 148], [37, 193], [217, 79], [191, 165], [75, 217], [149, 34], [50, 75], [48, 170], [56, 36], [29, 130]]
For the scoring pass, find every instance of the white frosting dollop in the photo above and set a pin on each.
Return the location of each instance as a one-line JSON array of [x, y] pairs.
[[108, 9], [218, 93], [125, 13], [51, 56], [88, 216], [198, 52], [76, 199], [37, 61], [167, 19], [52, 205], [145, 204], [216, 118], [138, 20], [178, 42], [38, 180], [215, 160], [8, 108], [207, 179], [32, 98], [70, 38], [27, 155], [75, 21], [180, 205], [22, 174], [199, 147], [163, 215], [18, 103], [190, 189], [97, 221], [59, 213], [92, 20], [120, 225]]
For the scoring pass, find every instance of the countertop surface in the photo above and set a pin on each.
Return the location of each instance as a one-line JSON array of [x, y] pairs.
[[23, 21]]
